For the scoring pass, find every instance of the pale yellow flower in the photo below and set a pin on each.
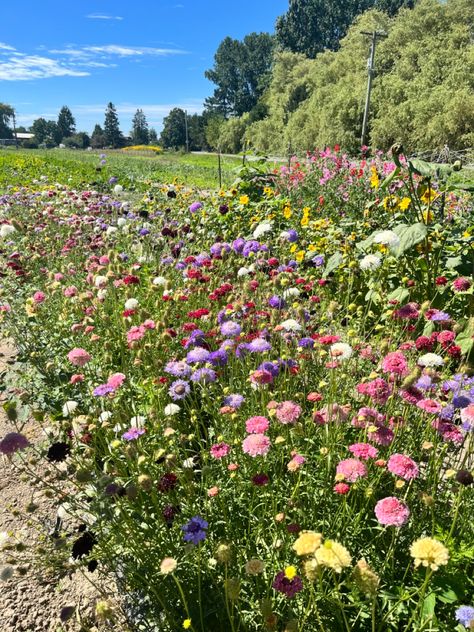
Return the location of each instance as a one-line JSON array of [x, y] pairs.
[[307, 543], [333, 555], [429, 552], [168, 565], [254, 567]]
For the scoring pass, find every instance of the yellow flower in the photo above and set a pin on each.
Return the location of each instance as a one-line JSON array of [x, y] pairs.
[[168, 565], [429, 552], [374, 178], [429, 195], [404, 203], [293, 248], [287, 212], [307, 543], [333, 555], [367, 580], [305, 221], [300, 256], [244, 199], [290, 572], [187, 624]]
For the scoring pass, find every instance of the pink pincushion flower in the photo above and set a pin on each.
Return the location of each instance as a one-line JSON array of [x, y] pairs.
[[395, 363], [467, 415], [367, 416], [78, 356], [341, 488], [149, 324], [220, 450], [76, 378], [381, 435], [39, 297], [377, 389], [449, 432], [116, 380], [351, 469], [403, 466], [429, 406], [257, 424], [363, 451], [256, 444], [135, 333], [70, 291], [288, 412], [461, 284], [261, 377], [391, 512]]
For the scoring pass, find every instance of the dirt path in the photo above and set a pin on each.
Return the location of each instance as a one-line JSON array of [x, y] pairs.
[[34, 597]]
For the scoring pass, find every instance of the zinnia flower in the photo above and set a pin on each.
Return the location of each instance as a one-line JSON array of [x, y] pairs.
[[429, 552]]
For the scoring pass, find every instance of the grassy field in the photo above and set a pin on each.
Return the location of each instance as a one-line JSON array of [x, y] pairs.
[[135, 172]]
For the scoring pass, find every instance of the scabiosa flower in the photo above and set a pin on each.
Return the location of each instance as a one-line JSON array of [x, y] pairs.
[[260, 480], [235, 400], [288, 412], [204, 376], [370, 262], [133, 433], [258, 345], [291, 325], [171, 409], [429, 552], [461, 285], [256, 444], [333, 555], [277, 302], [288, 583], [351, 469], [341, 488], [78, 357], [254, 567], [306, 343], [465, 615], [318, 261], [363, 451], [340, 351], [220, 450], [230, 328], [179, 389], [429, 406], [402, 466], [387, 238], [395, 363], [178, 368], [381, 435], [195, 206], [197, 355], [257, 424], [168, 565], [430, 360], [195, 530], [13, 442], [391, 512], [307, 543], [290, 235]]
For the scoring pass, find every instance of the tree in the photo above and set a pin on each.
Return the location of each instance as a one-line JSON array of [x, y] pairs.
[[98, 137], [241, 73], [80, 140], [66, 123], [139, 134], [46, 132], [113, 136], [152, 136], [311, 26], [7, 114], [173, 135]]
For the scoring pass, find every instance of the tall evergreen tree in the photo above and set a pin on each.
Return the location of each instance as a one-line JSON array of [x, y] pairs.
[[98, 137], [7, 114], [66, 123], [139, 134], [113, 135], [152, 136]]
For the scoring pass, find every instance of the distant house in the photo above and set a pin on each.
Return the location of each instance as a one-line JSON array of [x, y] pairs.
[[24, 135], [20, 137]]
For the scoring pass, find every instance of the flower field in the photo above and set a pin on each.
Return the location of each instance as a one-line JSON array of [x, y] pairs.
[[258, 402]]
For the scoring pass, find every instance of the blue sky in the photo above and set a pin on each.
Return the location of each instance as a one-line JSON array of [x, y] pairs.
[[150, 54]]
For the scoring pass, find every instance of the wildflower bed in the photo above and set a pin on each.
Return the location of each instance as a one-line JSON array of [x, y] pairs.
[[261, 398]]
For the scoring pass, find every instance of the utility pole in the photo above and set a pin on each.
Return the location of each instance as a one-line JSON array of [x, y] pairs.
[[370, 71], [186, 128]]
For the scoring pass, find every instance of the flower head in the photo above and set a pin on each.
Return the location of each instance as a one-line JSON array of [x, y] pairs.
[[195, 530], [391, 512], [13, 442], [429, 552], [465, 615], [401, 465], [256, 444], [307, 543], [333, 555]]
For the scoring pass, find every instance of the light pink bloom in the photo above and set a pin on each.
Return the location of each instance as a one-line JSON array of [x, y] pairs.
[[391, 512], [78, 356], [257, 424], [401, 465], [220, 450], [76, 378], [116, 380], [351, 469], [429, 406], [395, 363], [288, 412], [363, 451], [39, 297], [256, 444], [135, 333]]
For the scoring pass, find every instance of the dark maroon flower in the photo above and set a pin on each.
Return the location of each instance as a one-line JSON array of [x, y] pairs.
[[167, 482], [260, 480], [289, 587]]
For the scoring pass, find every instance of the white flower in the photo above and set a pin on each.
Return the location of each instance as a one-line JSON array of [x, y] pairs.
[[100, 281], [101, 294], [262, 229], [6, 229], [121, 221], [118, 188], [159, 280], [340, 351], [370, 262], [291, 325], [172, 409], [69, 407], [291, 292], [430, 360], [388, 238], [132, 303], [243, 272], [111, 230], [105, 416], [138, 421]]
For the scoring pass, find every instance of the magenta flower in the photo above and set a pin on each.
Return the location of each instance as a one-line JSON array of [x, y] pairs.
[[363, 451], [256, 444], [403, 466], [395, 363], [257, 424], [220, 450], [13, 442], [392, 512], [351, 469]]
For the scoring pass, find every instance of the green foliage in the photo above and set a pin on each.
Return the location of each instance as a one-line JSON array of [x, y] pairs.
[[113, 135], [98, 138], [66, 123], [6, 115], [46, 132], [241, 72], [140, 134], [80, 140], [232, 132], [173, 134]]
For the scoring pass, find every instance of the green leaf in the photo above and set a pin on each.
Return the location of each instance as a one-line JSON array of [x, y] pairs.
[[409, 237], [429, 604], [465, 339], [399, 294], [373, 296], [389, 178], [429, 169], [333, 263], [453, 262]]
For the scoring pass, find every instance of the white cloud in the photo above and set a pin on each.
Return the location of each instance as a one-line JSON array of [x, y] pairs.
[[132, 51], [26, 67], [4, 46], [154, 109], [101, 16]]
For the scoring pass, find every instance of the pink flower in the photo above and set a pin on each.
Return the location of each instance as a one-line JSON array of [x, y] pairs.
[[257, 424], [402, 466], [288, 412], [256, 444], [220, 450], [395, 363], [351, 469], [149, 324], [116, 380], [381, 436], [467, 415], [78, 357], [212, 492], [261, 376], [341, 488], [76, 378], [39, 297], [461, 285], [429, 406], [135, 333], [391, 512], [70, 291], [296, 462], [377, 389], [363, 451]]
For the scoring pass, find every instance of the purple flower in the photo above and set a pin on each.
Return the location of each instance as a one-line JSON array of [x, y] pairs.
[[204, 375], [276, 302], [218, 358], [235, 400], [197, 355], [465, 614], [290, 235], [461, 401], [306, 343], [103, 389], [440, 317], [13, 442], [250, 246], [113, 180], [318, 260], [179, 389], [289, 587], [238, 245], [178, 368], [230, 328], [133, 433], [195, 530], [259, 345], [272, 367], [195, 206]]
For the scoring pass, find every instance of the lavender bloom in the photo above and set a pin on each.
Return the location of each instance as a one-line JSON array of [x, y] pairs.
[[277, 302], [235, 400], [13, 442], [259, 345], [195, 206], [465, 614], [218, 358], [197, 355], [103, 389], [226, 345], [272, 368], [241, 350], [318, 260], [230, 328], [205, 376], [133, 433], [461, 400], [447, 413], [440, 317], [306, 343], [250, 246], [143, 231], [424, 383], [290, 235], [218, 247], [196, 339], [167, 260], [179, 389], [113, 180], [195, 530], [178, 368], [238, 245]]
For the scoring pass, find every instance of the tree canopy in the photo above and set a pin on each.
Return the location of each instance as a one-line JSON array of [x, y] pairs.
[[6, 115], [140, 132], [113, 135], [66, 123]]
